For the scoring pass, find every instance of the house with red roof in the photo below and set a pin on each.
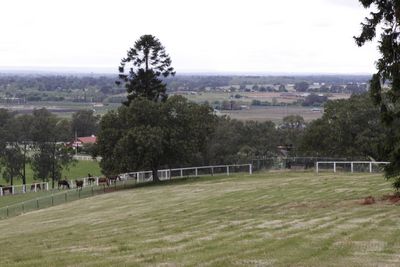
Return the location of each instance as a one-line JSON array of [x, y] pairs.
[[81, 141]]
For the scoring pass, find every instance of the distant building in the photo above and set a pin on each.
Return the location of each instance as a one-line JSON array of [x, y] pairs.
[[81, 141]]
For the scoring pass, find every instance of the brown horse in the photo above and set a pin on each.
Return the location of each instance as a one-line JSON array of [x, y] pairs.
[[38, 187], [104, 181], [7, 188], [79, 184], [64, 184]]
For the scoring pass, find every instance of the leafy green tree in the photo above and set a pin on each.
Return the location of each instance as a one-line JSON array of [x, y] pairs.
[[51, 155], [14, 158], [151, 135], [141, 70], [234, 141], [301, 86], [84, 123], [348, 128], [385, 84], [291, 132]]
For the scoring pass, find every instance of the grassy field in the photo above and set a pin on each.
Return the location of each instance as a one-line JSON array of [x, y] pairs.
[[78, 170], [275, 114], [268, 219]]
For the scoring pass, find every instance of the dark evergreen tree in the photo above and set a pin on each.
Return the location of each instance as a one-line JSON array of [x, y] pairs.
[[142, 69], [385, 84]]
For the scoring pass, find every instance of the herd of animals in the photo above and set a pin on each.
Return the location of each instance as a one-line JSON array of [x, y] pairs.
[[64, 184]]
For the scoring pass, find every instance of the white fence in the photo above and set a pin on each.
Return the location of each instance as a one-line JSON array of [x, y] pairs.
[[139, 177], [352, 166], [21, 189], [167, 174]]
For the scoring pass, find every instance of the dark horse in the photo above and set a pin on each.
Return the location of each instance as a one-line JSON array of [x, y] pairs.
[[104, 181], [79, 184], [6, 188], [38, 187], [63, 183], [113, 179], [91, 179]]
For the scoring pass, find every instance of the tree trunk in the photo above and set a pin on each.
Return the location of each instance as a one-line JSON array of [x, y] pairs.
[[155, 175], [24, 169]]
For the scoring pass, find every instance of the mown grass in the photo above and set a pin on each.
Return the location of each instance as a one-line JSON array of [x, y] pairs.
[[268, 219]]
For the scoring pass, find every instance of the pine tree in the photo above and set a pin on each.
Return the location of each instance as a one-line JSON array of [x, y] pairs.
[[142, 69]]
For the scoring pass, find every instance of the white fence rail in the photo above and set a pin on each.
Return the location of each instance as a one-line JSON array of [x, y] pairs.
[[21, 189], [352, 166], [139, 177], [167, 174]]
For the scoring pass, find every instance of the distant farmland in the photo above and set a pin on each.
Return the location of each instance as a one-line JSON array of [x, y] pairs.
[[275, 114]]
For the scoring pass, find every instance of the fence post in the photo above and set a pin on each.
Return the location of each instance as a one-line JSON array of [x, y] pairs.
[[316, 166], [195, 172], [1, 191], [250, 169], [334, 166], [181, 173], [352, 167], [227, 169], [370, 167], [97, 181], [47, 186], [35, 188], [13, 190]]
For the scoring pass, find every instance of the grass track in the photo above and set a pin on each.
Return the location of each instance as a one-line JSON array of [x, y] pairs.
[[268, 219]]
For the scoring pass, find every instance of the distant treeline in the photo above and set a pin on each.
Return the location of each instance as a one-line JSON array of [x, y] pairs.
[[90, 88]]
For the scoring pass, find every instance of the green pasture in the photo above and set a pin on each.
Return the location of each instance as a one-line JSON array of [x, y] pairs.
[[80, 169], [267, 219]]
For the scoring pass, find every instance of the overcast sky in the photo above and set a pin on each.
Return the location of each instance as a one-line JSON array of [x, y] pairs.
[[245, 36]]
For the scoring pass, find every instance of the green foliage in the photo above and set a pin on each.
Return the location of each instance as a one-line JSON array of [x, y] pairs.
[[234, 141], [145, 63], [385, 84], [301, 86], [148, 135], [348, 128], [84, 123]]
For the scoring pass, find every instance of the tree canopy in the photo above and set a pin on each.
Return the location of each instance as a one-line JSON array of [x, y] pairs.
[[385, 83], [150, 135], [140, 71]]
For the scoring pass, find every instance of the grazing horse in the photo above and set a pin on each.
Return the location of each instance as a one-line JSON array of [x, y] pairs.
[[7, 188], [104, 180], [91, 180], [113, 179], [79, 184], [63, 183], [37, 187]]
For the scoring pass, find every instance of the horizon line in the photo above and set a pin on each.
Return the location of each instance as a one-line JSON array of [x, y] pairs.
[[108, 71]]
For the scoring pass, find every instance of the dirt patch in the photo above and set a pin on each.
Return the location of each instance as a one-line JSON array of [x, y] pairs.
[[394, 199], [368, 200]]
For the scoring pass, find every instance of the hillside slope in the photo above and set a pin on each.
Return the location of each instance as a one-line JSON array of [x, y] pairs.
[[266, 219]]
